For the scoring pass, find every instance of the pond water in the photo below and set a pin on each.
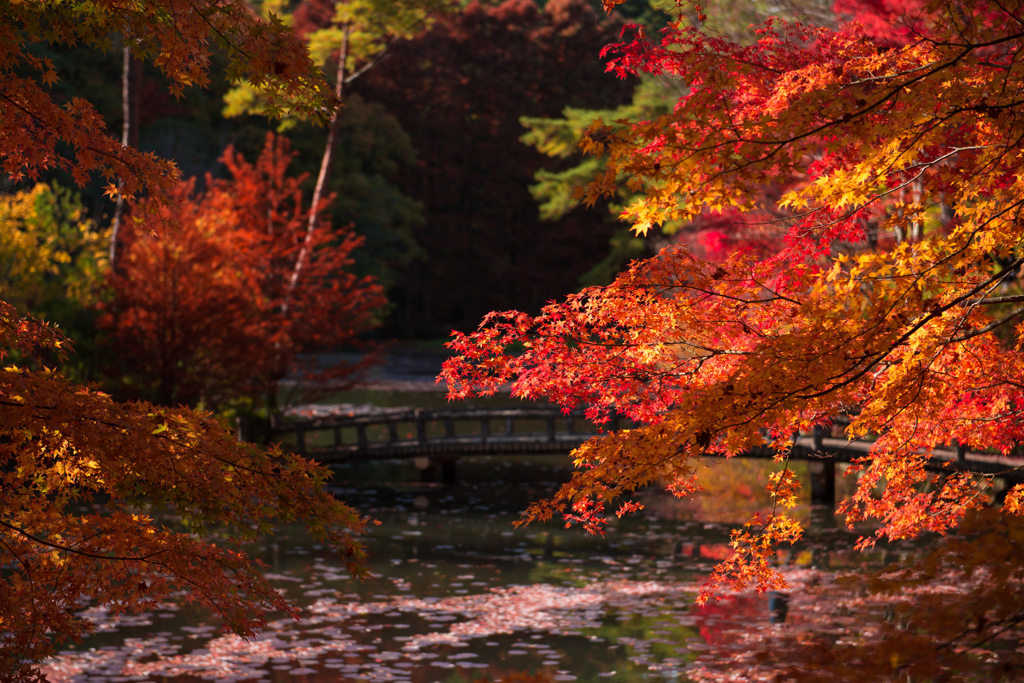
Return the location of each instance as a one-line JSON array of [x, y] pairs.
[[457, 594]]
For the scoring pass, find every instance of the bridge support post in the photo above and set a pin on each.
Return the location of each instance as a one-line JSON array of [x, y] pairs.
[[429, 467], [421, 428], [823, 481], [823, 473]]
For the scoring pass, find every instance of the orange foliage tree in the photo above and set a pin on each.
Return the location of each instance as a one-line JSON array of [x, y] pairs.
[[918, 340], [65, 446], [199, 311], [169, 478]]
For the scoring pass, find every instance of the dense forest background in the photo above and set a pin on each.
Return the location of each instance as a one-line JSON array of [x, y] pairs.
[[455, 164]]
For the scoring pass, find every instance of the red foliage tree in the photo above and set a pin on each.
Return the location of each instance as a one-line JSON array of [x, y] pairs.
[[198, 312], [888, 22], [918, 341]]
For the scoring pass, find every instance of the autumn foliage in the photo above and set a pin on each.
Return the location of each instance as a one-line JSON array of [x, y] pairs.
[[202, 308], [52, 257], [170, 481], [890, 295], [40, 133]]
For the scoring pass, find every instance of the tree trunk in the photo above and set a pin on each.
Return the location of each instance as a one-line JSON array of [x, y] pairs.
[[131, 75], [325, 172], [917, 228]]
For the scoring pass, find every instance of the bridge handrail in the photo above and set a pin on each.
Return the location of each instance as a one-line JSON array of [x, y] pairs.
[[341, 421], [954, 457]]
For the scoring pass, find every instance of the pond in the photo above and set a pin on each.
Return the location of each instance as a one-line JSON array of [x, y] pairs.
[[458, 594]]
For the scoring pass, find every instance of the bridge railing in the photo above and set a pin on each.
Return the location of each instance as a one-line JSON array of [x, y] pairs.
[[462, 431], [423, 427]]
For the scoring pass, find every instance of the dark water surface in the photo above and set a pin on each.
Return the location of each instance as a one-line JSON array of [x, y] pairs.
[[457, 594]]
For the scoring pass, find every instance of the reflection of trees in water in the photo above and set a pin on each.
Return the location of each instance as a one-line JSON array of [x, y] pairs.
[[735, 490], [717, 621]]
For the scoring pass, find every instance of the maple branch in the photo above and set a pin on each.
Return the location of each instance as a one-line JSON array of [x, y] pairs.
[[883, 174], [220, 34], [748, 302], [995, 300], [988, 328], [917, 325], [844, 379], [1007, 148], [893, 93], [879, 176], [775, 491], [775, 295], [872, 79], [366, 67], [62, 134], [846, 118], [1007, 624], [13, 552], [993, 282], [70, 549]]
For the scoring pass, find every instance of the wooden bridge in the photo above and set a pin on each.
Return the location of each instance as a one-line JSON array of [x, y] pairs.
[[437, 438]]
